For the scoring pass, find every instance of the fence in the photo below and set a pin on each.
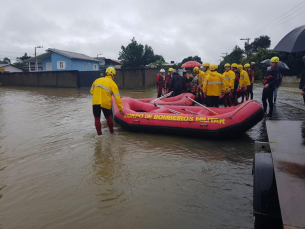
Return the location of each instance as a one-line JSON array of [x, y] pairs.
[[124, 78]]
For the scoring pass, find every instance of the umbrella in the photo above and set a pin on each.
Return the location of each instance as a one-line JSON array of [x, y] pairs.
[[293, 41], [280, 64], [191, 64]]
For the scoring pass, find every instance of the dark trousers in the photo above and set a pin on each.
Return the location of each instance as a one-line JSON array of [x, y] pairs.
[[212, 101], [268, 95], [250, 90]]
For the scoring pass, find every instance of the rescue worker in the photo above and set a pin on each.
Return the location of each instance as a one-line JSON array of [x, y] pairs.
[[160, 82], [212, 86], [168, 79], [236, 83], [244, 82], [272, 76], [187, 80], [199, 76], [177, 84], [251, 75], [102, 90], [228, 85]]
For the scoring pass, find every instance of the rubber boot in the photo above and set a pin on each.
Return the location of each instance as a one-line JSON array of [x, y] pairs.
[[110, 123], [98, 125]]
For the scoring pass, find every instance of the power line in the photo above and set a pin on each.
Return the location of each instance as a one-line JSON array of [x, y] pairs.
[[283, 22], [268, 24]]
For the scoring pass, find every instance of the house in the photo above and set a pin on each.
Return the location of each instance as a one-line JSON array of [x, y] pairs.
[[59, 60], [10, 68], [105, 63]]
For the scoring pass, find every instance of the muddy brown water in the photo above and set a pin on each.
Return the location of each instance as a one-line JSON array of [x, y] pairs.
[[56, 173]]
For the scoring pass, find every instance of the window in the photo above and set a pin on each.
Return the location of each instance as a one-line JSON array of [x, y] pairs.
[[61, 65], [85, 66], [49, 66], [95, 67], [89, 65]]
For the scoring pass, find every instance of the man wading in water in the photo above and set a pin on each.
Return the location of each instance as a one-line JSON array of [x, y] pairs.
[[102, 90]]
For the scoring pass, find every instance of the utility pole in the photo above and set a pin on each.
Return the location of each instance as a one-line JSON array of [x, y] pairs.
[[248, 42], [98, 55], [37, 47], [246, 39]]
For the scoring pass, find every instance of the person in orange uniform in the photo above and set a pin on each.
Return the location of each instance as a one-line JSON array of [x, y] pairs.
[[212, 86], [251, 75], [244, 82], [160, 82], [228, 85], [168, 79], [102, 90]]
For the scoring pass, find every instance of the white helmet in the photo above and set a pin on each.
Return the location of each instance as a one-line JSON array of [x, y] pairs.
[[162, 70]]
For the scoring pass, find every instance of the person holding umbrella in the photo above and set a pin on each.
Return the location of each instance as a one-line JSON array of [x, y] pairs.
[[272, 77]]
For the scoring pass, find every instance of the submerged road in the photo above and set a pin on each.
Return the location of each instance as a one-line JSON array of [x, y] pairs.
[[56, 173]]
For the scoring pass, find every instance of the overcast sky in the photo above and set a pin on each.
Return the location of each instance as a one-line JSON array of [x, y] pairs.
[[174, 29]]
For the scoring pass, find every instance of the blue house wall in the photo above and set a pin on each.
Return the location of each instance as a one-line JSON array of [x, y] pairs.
[[71, 64]]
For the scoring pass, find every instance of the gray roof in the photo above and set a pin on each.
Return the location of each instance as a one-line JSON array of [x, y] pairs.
[[3, 65], [73, 55]]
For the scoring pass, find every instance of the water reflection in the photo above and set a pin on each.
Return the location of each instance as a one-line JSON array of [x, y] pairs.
[[108, 170]]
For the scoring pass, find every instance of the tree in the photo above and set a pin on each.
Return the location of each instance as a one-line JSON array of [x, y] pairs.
[[5, 61], [234, 57], [192, 58], [136, 55], [20, 60], [260, 42]]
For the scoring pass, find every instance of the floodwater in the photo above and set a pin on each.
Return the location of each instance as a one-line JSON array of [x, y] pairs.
[[55, 172]]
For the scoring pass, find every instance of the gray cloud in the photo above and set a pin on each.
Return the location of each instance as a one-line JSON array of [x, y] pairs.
[[175, 29]]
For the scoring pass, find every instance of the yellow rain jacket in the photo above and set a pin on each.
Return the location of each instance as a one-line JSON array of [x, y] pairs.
[[200, 77], [212, 84], [228, 80], [244, 79], [205, 74], [102, 90]]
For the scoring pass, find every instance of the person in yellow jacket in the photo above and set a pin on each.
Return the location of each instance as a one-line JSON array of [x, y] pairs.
[[228, 85], [212, 86], [206, 69], [199, 75], [244, 82], [102, 90]]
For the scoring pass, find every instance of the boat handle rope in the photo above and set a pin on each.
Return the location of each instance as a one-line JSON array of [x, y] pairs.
[[161, 97], [202, 105]]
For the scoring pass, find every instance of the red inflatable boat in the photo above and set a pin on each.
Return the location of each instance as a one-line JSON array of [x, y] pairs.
[[179, 100], [188, 120]]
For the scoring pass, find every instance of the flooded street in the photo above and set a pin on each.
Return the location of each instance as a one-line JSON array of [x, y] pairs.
[[55, 172]]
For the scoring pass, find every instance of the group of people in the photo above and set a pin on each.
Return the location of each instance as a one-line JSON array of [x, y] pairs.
[[208, 84]]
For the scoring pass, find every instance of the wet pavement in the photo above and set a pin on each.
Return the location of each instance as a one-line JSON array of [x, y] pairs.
[[56, 173]]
